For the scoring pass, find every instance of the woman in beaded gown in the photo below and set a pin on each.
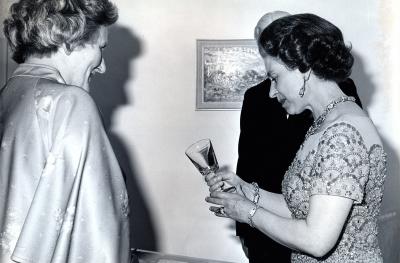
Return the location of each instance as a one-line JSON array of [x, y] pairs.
[[333, 189]]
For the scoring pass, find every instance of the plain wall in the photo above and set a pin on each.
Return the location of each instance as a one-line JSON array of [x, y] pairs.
[[147, 98]]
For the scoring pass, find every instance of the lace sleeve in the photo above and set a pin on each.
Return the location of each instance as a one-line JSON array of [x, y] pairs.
[[341, 164]]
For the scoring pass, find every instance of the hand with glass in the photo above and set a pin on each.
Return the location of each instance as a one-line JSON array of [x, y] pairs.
[[202, 155]]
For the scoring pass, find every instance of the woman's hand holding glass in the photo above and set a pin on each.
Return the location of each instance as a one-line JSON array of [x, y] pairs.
[[235, 205], [216, 180]]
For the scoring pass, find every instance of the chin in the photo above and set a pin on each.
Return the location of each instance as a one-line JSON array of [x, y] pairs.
[[85, 85], [291, 109], [288, 110]]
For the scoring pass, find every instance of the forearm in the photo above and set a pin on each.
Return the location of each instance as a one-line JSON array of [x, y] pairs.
[[317, 234], [272, 202], [292, 233]]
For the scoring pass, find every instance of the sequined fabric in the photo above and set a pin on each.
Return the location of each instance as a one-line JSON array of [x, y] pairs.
[[62, 193], [341, 161]]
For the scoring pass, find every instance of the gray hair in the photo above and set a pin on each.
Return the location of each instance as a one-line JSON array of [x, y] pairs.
[[267, 19], [40, 27]]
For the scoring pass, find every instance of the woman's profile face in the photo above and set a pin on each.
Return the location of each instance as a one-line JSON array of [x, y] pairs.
[[285, 84], [89, 60]]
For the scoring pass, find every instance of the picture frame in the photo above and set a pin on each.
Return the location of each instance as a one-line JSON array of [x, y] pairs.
[[225, 70]]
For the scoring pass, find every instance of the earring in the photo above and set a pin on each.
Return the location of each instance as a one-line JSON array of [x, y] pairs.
[[303, 88], [67, 48]]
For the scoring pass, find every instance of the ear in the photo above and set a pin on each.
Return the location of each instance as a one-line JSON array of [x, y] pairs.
[[66, 47]]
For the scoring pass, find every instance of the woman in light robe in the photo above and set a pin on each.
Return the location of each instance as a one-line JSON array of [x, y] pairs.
[[62, 193]]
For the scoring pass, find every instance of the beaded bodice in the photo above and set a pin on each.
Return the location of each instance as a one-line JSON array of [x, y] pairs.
[[340, 163]]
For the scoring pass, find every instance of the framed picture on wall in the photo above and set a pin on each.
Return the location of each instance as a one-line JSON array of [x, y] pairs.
[[225, 70]]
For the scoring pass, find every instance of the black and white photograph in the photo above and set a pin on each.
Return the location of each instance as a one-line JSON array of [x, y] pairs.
[[191, 131]]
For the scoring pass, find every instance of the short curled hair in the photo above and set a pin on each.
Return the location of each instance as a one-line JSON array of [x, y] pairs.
[[307, 41], [40, 27]]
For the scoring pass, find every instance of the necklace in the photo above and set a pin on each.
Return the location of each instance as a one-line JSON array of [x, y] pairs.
[[320, 120]]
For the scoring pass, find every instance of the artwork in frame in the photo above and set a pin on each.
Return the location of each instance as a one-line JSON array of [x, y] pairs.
[[225, 70]]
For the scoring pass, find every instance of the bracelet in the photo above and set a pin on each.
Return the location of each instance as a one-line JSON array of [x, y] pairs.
[[256, 196], [252, 213]]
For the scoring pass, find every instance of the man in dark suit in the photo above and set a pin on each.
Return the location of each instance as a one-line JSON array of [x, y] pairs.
[[269, 140]]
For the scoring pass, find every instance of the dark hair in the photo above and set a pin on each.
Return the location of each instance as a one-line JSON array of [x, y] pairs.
[[42, 26], [307, 41]]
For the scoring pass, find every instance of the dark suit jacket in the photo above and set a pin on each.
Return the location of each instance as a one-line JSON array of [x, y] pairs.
[[268, 143]]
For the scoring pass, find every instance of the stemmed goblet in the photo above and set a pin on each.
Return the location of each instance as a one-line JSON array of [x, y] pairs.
[[202, 155]]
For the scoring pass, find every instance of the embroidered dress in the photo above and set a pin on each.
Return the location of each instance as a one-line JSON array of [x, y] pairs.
[[347, 160], [62, 194]]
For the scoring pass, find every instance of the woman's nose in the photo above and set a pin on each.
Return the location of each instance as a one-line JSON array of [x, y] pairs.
[[102, 67]]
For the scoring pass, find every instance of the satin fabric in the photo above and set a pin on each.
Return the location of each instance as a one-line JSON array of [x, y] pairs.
[[62, 193]]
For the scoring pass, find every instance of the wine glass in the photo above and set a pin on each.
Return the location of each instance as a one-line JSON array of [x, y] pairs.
[[202, 155]]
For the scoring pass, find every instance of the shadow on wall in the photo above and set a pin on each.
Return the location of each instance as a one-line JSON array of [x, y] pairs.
[[389, 222], [365, 88], [108, 90]]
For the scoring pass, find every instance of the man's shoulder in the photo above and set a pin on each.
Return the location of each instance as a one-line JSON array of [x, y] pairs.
[[257, 98], [260, 88]]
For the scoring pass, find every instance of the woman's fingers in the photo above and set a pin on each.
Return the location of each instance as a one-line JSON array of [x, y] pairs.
[[216, 186], [225, 175], [216, 181], [218, 211], [214, 200], [209, 176], [221, 198], [231, 205], [212, 179]]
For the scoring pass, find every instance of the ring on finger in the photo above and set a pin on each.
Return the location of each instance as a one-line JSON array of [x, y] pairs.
[[221, 210]]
